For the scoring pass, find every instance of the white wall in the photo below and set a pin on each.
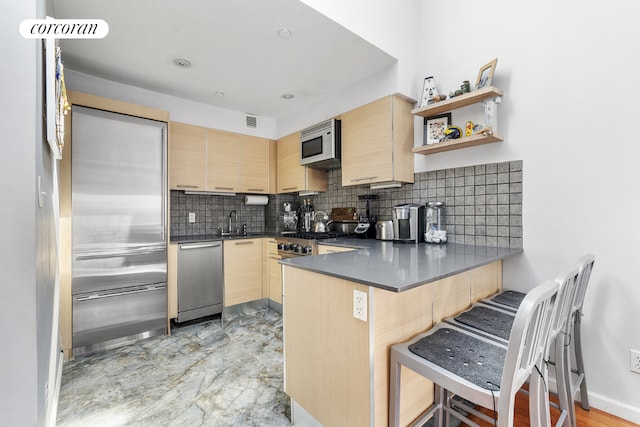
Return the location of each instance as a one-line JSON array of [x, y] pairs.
[[570, 78], [180, 110], [28, 251]]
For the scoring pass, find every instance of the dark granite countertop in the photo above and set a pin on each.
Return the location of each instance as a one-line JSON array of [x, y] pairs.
[[398, 267]]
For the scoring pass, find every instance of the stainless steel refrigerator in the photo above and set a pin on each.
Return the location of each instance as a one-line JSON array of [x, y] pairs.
[[119, 246]]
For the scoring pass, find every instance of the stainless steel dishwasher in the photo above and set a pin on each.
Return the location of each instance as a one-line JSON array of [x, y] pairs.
[[200, 280]]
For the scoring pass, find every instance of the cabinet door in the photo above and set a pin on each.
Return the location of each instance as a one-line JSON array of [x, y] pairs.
[[293, 177], [242, 271], [326, 249], [254, 164], [187, 157], [290, 172], [172, 280], [223, 157], [367, 144], [275, 278]]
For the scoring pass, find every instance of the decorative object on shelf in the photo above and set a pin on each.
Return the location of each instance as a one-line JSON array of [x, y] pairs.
[[434, 128], [491, 112], [485, 75], [452, 132], [438, 98], [465, 87], [428, 91], [468, 128]]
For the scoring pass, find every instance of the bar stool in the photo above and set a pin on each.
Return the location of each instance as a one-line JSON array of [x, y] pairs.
[[573, 339], [479, 369], [496, 322]]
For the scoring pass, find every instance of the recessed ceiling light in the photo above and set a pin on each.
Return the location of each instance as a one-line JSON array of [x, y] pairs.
[[284, 33], [219, 93], [287, 96], [182, 63]]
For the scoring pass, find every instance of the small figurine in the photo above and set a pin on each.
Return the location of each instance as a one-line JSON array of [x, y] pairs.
[[438, 98], [452, 132], [466, 86], [468, 128]]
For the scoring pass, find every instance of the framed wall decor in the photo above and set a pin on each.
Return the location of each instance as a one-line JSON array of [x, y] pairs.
[[434, 128], [485, 75]]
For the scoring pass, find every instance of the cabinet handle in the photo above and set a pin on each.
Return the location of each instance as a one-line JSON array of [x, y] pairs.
[[368, 178], [275, 257], [255, 189], [205, 245], [246, 242], [289, 188], [187, 186], [223, 188]]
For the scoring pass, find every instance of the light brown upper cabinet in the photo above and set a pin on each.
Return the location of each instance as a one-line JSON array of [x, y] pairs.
[[187, 157], [292, 176], [255, 163], [377, 142], [223, 151], [204, 159]]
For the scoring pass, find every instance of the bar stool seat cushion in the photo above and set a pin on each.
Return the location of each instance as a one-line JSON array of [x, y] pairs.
[[487, 320], [509, 298], [472, 359]]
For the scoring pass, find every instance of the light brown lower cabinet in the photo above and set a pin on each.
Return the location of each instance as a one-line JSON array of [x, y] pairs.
[[274, 275], [337, 367], [327, 249], [242, 271]]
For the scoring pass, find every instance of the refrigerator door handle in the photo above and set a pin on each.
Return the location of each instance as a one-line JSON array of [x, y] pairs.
[[136, 290], [205, 245], [103, 255]]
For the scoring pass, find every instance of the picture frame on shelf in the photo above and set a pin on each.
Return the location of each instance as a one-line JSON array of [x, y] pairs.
[[428, 91], [485, 75], [434, 127]]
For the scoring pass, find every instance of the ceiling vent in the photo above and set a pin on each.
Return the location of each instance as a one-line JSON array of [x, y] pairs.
[[250, 121]]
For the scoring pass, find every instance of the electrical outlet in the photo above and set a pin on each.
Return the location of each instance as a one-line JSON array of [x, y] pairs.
[[360, 305], [634, 356], [192, 217]]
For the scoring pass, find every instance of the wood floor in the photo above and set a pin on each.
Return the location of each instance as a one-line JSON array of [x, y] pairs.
[[591, 418]]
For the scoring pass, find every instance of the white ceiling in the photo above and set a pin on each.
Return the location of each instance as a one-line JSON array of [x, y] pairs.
[[233, 46]]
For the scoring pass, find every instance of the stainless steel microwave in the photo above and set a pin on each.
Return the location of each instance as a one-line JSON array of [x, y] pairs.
[[320, 145]]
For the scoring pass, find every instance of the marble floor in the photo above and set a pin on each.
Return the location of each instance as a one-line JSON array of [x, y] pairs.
[[201, 375]]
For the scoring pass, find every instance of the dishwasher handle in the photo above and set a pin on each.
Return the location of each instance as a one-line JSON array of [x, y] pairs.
[[201, 245]]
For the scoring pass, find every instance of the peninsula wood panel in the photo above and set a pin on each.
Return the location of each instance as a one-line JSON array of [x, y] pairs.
[[187, 157], [485, 280], [326, 348], [399, 317], [242, 271], [451, 295]]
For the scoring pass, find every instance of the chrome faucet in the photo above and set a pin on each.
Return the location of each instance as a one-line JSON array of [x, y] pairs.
[[233, 212]]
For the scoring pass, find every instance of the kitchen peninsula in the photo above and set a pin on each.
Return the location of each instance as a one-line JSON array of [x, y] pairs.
[[336, 365]]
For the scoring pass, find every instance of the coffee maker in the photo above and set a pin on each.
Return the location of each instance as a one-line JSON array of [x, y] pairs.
[[408, 223]]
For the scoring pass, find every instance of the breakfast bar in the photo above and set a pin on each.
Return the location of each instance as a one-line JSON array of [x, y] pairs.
[[342, 311]]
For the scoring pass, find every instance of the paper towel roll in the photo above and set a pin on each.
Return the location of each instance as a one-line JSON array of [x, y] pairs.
[[256, 200]]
